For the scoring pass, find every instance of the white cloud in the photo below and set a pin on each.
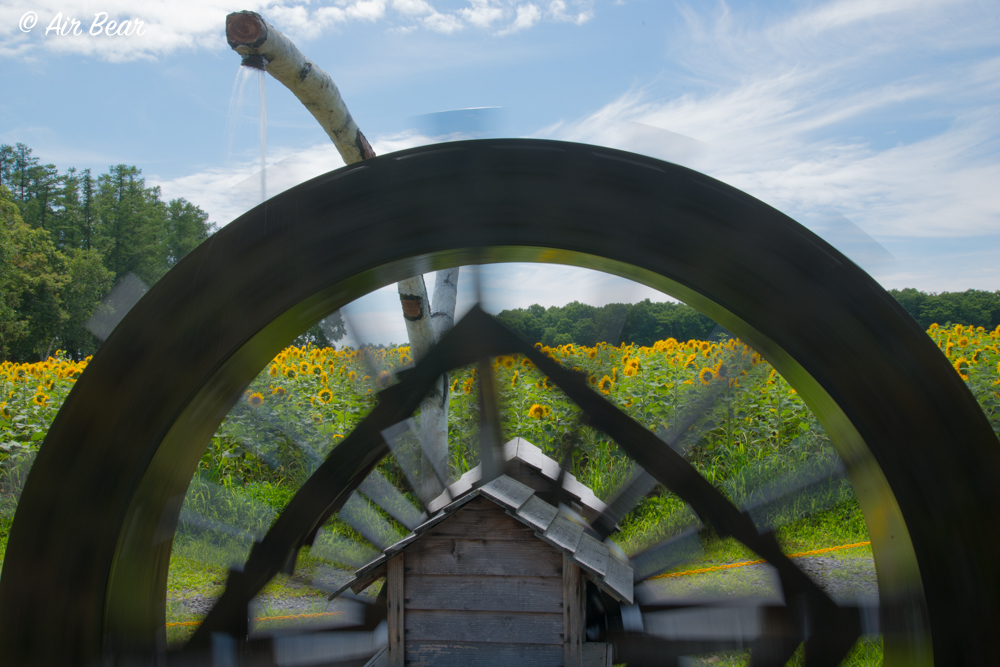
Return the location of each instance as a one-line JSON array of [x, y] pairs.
[[225, 193], [527, 16], [412, 7], [557, 10], [170, 26], [444, 23], [482, 13], [795, 132]]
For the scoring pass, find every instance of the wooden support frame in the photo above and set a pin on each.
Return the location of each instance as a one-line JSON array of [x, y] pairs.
[[573, 613], [396, 603]]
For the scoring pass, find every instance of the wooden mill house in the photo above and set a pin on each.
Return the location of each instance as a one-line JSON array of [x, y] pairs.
[[497, 576]]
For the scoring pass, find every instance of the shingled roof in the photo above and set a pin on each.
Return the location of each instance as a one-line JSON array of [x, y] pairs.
[[556, 528]]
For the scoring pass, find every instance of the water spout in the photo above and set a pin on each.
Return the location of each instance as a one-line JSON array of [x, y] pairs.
[[255, 60]]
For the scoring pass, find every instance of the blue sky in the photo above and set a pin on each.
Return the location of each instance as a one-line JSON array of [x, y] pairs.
[[873, 122]]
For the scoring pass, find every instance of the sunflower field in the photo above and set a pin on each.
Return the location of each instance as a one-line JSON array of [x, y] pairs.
[[718, 402]]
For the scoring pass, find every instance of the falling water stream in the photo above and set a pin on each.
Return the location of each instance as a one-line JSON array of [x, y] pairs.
[[240, 111]]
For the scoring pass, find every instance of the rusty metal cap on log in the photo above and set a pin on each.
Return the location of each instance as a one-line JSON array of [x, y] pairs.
[[245, 28]]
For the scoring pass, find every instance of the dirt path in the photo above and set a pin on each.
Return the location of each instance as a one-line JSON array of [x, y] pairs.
[[842, 577]]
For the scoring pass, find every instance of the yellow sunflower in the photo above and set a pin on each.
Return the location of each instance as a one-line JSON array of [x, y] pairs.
[[383, 380], [508, 362], [273, 370], [325, 395], [513, 380], [605, 385], [352, 376], [304, 368], [962, 366], [467, 386], [317, 418], [290, 373], [278, 391], [255, 400], [537, 411], [592, 354], [706, 375], [5, 411]]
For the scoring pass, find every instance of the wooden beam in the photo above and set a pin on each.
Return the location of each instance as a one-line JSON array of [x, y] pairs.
[[573, 614], [395, 600]]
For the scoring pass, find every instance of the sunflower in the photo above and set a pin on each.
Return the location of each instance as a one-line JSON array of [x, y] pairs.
[[706, 375], [278, 391], [592, 354], [467, 386], [49, 384], [614, 374], [383, 380], [255, 400], [629, 371], [304, 368], [962, 366], [317, 418], [352, 376], [592, 379], [963, 340], [325, 395], [454, 386], [537, 411], [337, 436], [508, 362], [5, 411], [605, 385], [273, 370], [40, 399], [290, 373], [526, 363], [513, 380]]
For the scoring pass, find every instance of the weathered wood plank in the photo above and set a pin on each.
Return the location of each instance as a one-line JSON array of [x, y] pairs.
[[597, 654], [482, 593], [435, 555], [537, 513], [395, 598], [592, 555], [510, 493], [563, 533], [484, 626], [618, 578], [469, 654], [573, 614], [482, 519]]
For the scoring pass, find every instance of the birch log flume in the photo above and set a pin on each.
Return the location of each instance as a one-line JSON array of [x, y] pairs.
[[264, 47], [250, 35]]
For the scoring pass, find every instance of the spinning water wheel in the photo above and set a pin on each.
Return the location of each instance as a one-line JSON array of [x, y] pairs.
[[84, 577]]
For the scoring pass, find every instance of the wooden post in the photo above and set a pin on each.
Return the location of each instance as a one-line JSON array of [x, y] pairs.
[[573, 614], [395, 600]]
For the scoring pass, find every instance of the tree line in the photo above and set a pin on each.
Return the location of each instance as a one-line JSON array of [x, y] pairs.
[[646, 322], [67, 238]]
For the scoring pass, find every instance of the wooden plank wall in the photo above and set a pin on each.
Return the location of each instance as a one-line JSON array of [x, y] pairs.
[[573, 620], [396, 620], [482, 590]]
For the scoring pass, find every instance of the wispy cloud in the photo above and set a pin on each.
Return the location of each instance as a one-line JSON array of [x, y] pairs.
[[839, 106], [225, 193], [161, 27]]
